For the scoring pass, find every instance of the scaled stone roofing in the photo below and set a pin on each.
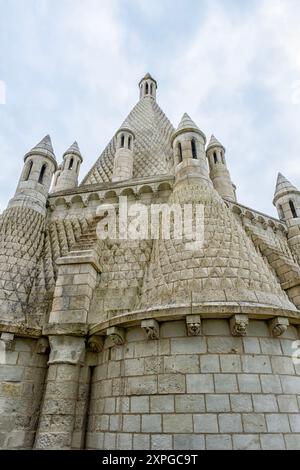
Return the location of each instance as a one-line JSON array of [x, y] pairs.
[[152, 147]]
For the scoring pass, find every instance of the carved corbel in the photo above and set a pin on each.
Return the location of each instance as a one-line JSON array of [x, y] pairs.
[[42, 346], [116, 335], [193, 324], [239, 325], [96, 343], [278, 326], [7, 340], [151, 328]]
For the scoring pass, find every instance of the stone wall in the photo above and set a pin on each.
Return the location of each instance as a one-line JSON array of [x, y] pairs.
[[21, 388], [214, 391]]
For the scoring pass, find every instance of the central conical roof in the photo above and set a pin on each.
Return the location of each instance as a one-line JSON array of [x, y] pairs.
[[226, 270], [152, 148]]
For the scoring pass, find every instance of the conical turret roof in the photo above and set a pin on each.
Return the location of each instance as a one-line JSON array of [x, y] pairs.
[[283, 186], [44, 147], [226, 270], [187, 125], [74, 150], [214, 142]]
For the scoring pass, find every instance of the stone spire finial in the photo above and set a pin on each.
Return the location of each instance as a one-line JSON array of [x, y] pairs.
[[214, 142]]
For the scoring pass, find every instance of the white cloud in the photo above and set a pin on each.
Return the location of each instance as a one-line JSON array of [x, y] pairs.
[[234, 73]]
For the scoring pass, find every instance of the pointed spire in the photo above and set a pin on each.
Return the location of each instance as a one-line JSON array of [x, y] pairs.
[[74, 150], [283, 186], [187, 125], [214, 143], [45, 143], [44, 147]]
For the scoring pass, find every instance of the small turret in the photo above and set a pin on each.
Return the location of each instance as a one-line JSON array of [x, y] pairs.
[[67, 175], [148, 87], [36, 177], [123, 163], [188, 143], [219, 173], [287, 202]]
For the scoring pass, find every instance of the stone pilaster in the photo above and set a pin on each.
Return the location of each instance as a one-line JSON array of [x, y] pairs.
[[57, 418]]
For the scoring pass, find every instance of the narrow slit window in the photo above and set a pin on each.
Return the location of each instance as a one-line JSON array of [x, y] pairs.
[[215, 158], [77, 168], [129, 142], [280, 212], [293, 209], [180, 152], [123, 141], [42, 174], [147, 88], [151, 89], [28, 171], [71, 164], [194, 149], [222, 157]]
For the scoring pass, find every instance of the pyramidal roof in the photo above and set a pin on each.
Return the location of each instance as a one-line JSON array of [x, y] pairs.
[[283, 186], [214, 143], [73, 149], [44, 146], [152, 148]]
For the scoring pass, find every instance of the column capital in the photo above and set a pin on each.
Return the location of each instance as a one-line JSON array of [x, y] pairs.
[[66, 350]]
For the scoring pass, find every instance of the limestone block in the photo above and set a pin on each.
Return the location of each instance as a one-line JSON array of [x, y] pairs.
[[152, 423], [218, 442], [161, 442], [198, 383], [230, 423], [218, 403], [265, 403], [206, 423]]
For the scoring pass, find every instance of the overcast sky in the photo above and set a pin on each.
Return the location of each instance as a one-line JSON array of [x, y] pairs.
[[71, 69]]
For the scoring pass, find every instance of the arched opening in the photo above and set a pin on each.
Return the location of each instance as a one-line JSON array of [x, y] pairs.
[[280, 212], [215, 157], [71, 164], [122, 141], [222, 158], [28, 170], [293, 209], [77, 167], [194, 149], [147, 88], [179, 152], [129, 142], [151, 89], [42, 174]]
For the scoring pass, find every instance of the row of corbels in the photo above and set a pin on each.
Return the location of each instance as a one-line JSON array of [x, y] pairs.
[[238, 325]]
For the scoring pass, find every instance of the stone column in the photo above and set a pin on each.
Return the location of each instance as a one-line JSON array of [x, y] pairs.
[[57, 416]]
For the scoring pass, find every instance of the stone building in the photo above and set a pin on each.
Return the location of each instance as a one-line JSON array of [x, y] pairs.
[[147, 343]]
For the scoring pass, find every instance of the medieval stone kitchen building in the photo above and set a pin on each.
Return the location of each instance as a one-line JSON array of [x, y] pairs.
[[146, 344]]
